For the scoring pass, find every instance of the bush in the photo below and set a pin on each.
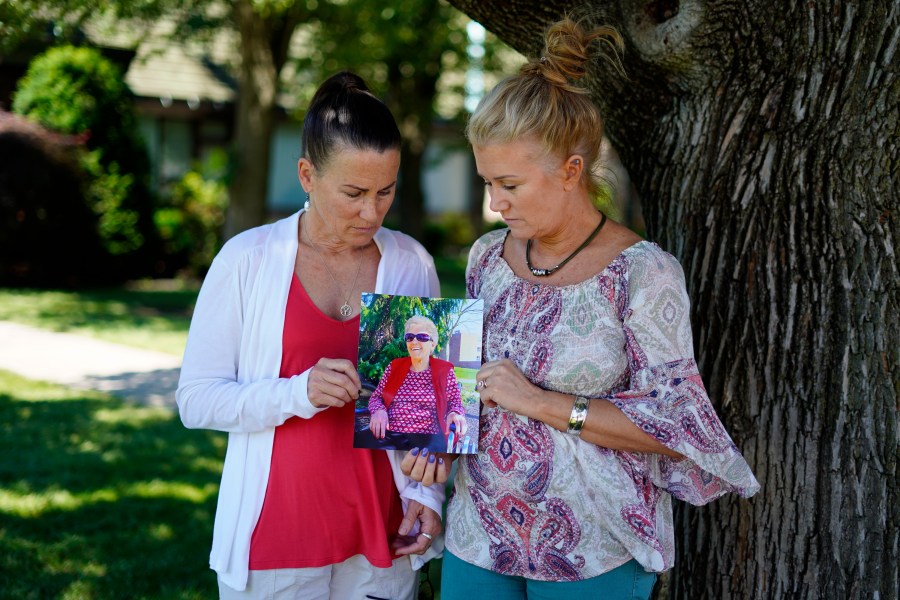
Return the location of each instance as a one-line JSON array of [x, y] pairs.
[[191, 221], [77, 91], [448, 234], [48, 235]]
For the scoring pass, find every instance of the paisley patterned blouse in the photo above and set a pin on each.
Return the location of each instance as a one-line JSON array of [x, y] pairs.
[[542, 504]]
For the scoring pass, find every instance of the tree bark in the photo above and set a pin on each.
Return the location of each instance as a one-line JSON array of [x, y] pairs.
[[264, 46], [763, 140], [410, 99]]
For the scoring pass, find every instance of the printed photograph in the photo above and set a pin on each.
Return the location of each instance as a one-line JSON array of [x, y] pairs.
[[417, 362]]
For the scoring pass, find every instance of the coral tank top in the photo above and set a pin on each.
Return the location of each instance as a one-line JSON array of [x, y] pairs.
[[326, 500]]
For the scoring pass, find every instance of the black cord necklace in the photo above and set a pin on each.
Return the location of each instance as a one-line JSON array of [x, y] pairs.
[[552, 270]]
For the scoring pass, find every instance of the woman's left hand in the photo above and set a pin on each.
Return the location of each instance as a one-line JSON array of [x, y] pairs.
[[501, 383], [429, 528]]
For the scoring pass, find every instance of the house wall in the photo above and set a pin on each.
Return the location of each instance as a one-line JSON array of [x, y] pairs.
[[175, 141], [285, 194]]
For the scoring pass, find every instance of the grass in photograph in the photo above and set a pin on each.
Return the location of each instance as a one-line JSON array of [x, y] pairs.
[[100, 499]]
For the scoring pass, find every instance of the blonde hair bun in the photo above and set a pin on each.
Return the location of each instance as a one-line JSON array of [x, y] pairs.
[[567, 51], [546, 100]]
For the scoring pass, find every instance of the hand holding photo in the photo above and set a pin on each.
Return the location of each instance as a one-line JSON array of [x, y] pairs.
[[417, 363]]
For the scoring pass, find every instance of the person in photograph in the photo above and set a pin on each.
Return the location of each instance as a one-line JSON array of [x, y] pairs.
[[270, 359], [417, 399], [595, 413]]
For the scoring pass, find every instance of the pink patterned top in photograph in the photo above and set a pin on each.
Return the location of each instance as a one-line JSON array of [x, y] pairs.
[[542, 504], [413, 409]]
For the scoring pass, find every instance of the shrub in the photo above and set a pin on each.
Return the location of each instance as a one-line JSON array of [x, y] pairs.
[[48, 235], [77, 91], [191, 221]]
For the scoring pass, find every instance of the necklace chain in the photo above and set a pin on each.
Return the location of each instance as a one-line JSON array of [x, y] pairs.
[[346, 310], [552, 270]]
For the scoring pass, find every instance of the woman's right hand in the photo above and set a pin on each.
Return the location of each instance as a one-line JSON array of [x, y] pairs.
[[332, 382], [378, 423], [427, 467]]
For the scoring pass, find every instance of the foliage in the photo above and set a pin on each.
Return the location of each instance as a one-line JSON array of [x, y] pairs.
[[448, 234], [42, 210], [381, 325], [109, 500], [190, 223], [77, 91]]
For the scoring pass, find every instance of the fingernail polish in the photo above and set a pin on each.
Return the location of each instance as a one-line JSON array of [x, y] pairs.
[[424, 451], [440, 461], [414, 451], [431, 458]]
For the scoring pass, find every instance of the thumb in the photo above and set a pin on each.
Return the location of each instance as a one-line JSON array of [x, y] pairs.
[[409, 520]]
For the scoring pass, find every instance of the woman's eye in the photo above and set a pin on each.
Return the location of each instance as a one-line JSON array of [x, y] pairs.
[[353, 194], [509, 188], [487, 184]]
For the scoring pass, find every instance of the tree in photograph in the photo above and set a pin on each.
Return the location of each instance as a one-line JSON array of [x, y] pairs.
[[381, 327], [763, 140]]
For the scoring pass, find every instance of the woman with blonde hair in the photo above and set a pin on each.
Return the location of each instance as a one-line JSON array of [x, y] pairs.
[[594, 411]]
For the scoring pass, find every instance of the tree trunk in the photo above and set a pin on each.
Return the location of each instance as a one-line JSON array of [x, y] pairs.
[[410, 99], [264, 46], [763, 140], [410, 196], [255, 122]]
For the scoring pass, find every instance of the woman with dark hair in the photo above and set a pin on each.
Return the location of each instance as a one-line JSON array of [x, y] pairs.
[[595, 413], [270, 359], [418, 398]]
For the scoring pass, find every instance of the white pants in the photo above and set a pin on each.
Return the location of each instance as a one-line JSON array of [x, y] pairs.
[[353, 579]]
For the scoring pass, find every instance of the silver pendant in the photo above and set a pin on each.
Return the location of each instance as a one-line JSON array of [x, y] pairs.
[[346, 311]]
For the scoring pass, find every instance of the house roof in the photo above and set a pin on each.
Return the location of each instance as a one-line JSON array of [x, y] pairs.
[[172, 69], [171, 72]]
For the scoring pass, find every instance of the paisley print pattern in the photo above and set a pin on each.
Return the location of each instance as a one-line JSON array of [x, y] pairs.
[[541, 504]]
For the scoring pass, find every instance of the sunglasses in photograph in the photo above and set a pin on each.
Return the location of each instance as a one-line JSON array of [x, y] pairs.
[[422, 337]]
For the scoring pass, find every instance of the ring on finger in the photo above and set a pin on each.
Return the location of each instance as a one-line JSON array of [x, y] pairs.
[[428, 535], [482, 383]]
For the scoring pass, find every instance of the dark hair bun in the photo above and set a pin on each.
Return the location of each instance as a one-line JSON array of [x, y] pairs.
[[343, 112]]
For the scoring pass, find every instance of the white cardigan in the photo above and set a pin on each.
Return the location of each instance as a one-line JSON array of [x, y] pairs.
[[230, 374]]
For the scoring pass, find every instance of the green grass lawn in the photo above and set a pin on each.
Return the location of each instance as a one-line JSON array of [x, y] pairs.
[[150, 315], [101, 499], [452, 273]]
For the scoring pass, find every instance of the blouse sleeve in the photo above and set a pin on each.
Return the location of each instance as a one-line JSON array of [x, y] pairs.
[[454, 397], [666, 397], [376, 400]]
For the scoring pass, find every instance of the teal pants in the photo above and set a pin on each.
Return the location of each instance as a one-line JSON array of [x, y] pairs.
[[463, 581]]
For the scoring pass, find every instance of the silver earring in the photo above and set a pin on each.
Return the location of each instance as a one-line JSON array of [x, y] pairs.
[[306, 204]]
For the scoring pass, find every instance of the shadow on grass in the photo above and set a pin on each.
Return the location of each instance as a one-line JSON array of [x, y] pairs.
[[101, 499]]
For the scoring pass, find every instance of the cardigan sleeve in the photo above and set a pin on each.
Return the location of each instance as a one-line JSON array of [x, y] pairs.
[[210, 395], [665, 395]]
